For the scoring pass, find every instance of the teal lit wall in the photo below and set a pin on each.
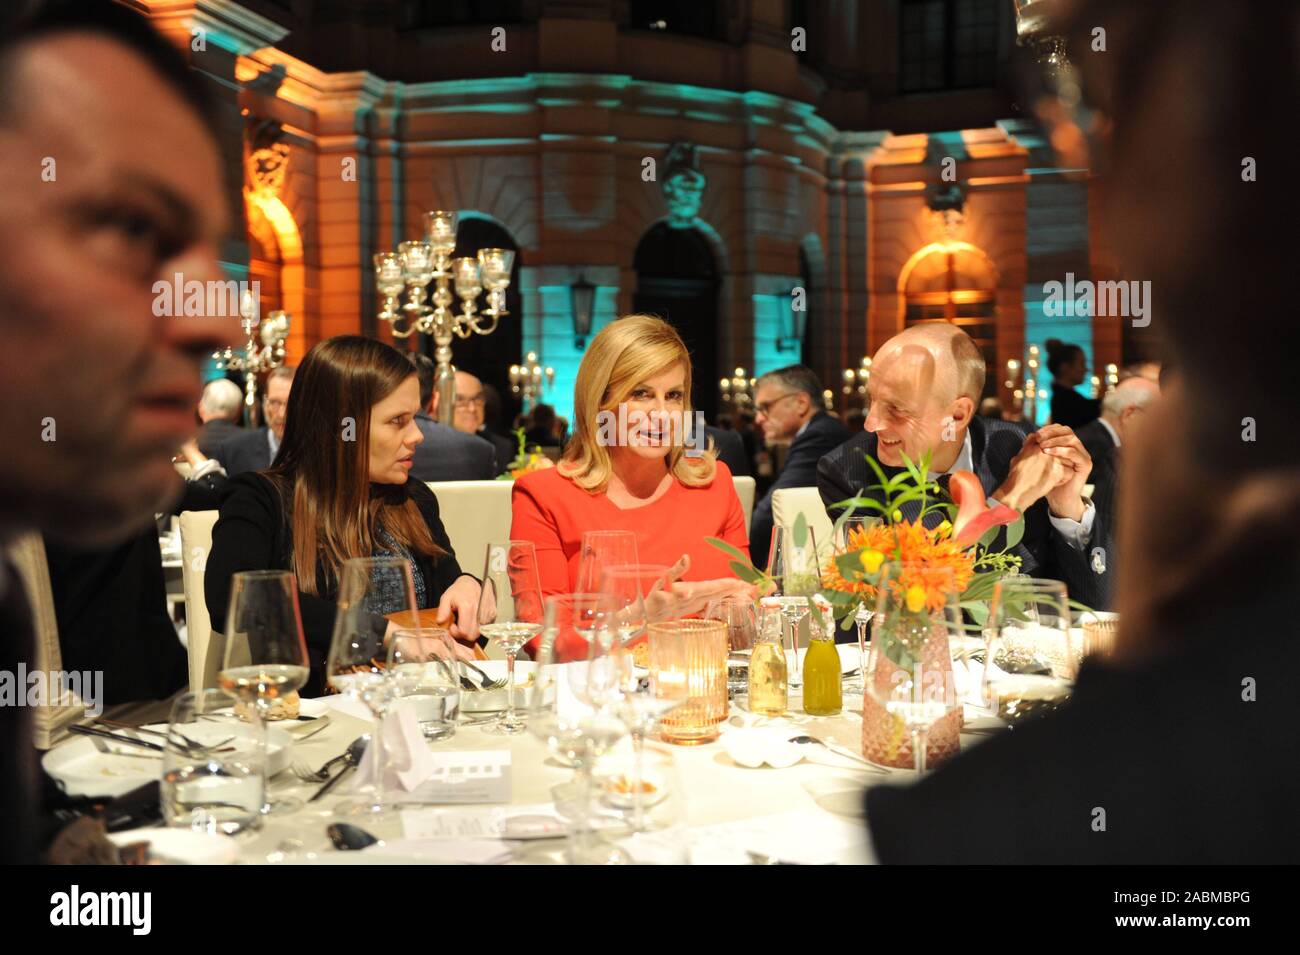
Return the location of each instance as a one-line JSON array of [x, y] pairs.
[[1070, 328]]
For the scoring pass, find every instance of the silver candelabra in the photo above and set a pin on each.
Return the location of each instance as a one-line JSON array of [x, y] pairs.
[[254, 359], [417, 264]]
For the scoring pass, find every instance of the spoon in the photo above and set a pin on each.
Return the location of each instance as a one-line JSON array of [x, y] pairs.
[[839, 751], [347, 836], [351, 759]]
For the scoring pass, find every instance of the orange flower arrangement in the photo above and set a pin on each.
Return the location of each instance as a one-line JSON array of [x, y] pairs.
[[926, 556]]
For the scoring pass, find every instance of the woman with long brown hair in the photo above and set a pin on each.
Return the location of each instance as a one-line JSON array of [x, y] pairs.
[[339, 488]]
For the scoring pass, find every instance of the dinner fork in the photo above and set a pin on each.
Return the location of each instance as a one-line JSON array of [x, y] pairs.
[[308, 775], [488, 682]]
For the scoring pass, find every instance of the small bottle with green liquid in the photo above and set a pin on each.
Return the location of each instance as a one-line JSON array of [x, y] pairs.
[[769, 693], [823, 692]]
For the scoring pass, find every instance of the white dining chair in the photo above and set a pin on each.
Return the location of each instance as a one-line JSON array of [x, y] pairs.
[[745, 491], [205, 652], [27, 552], [789, 502]]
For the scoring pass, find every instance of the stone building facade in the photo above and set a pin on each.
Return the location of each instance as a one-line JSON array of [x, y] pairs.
[[563, 130]]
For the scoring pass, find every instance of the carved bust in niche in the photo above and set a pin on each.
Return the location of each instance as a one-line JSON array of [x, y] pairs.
[[683, 184]]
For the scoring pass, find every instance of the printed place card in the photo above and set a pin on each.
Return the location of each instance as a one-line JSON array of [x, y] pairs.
[[465, 777]]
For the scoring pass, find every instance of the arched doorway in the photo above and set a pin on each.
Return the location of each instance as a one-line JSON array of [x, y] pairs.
[[954, 282], [678, 280], [489, 356]]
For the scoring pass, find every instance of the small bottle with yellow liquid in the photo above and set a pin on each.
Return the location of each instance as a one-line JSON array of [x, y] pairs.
[[823, 691], [769, 693]]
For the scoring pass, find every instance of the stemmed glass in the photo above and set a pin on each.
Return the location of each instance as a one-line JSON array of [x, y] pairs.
[[907, 670], [426, 675], [266, 655], [794, 564], [1032, 656], [510, 611], [644, 700], [739, 615], [570, 709], [849, 535], [370, 588], [601, 550]]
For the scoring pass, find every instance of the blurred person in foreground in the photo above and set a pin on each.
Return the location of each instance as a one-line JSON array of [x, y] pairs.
[[96, 390], [1186, 737]]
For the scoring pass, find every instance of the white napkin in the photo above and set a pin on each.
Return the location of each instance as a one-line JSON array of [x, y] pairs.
[[409, 760]]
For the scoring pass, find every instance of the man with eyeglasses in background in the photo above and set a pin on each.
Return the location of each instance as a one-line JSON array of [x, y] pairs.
[[256, 449], [469, 417], [788, 406]]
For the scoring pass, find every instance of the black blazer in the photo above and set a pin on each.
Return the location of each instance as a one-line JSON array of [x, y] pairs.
[[253, 533], [1071, 408], [19, 789], [1096, 439], [1186, 769], [822, 435], [731, 450], [214, 434], [248, 451], [1043, 552], [446, 454], [507, 449]]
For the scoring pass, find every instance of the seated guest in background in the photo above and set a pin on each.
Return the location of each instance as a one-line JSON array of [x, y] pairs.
[[991, 408], [254, 449], [1121, 406], [730, 449], [924, 385], [1069, 367], [469, 417], [1206, 656], [789, 409], [446, 454], [542, 431], [642, 482], [220, 409], [93, 84], [327, 499]]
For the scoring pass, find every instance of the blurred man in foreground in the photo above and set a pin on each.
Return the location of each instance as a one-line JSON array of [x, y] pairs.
[[1182, 748], [96, 391]]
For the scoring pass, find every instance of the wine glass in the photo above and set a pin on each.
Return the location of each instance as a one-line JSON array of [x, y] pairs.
[[266, 655], [1032, 655], [794, 564], [850, 535], [569, 710], [426, 675], [739, 615], [602, 550], [908, 668], [645, 789], [370, 588], [510, 611], [212, 788], [634, 589]]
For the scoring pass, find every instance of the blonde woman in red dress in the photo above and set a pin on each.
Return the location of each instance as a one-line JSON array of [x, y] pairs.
[[636, 370]]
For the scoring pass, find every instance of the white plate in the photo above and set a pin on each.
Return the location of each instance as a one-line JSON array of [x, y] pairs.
[[82, 770], [483, 701], [181, 846]]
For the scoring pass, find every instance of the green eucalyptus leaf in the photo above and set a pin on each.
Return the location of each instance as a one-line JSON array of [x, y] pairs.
[[1015, 531], [801, 530], [746, 572], [730, 549]]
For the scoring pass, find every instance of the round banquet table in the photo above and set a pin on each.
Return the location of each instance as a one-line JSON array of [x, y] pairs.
[[811, 812]]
